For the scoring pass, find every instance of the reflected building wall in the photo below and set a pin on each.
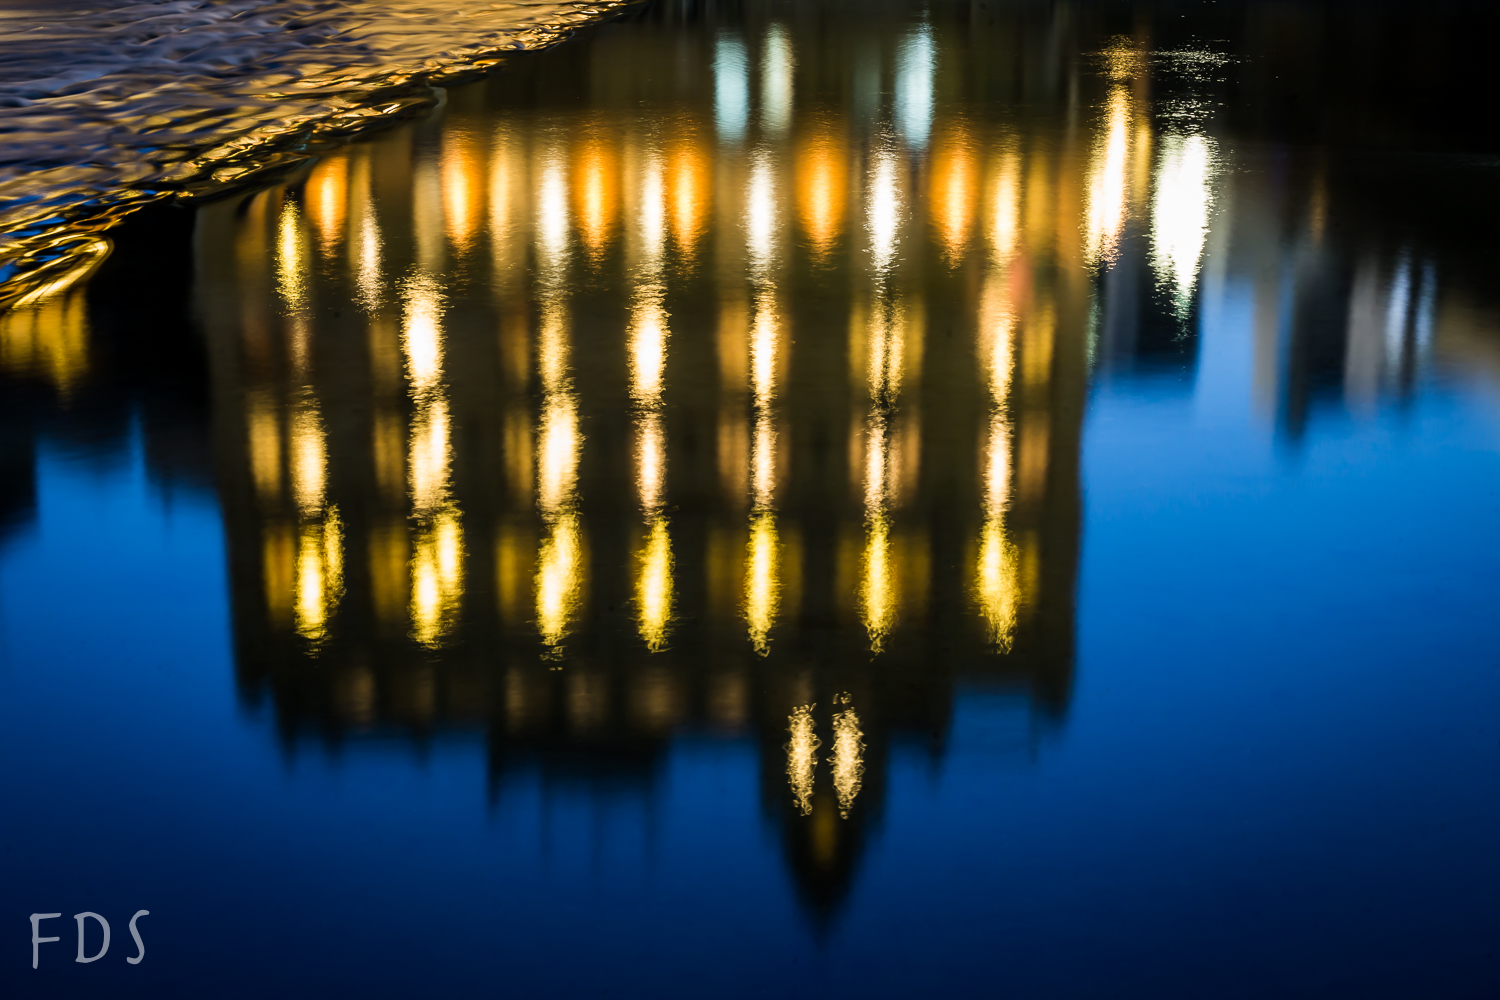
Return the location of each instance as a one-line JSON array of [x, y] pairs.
[[749, 401]]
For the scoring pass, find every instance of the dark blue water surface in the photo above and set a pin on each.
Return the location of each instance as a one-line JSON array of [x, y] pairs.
[[790, 499]]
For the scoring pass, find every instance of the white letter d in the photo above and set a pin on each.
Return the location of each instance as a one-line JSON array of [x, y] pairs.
[[81, 917]]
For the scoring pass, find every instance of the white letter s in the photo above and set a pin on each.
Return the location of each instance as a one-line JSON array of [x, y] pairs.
[[140, 945]]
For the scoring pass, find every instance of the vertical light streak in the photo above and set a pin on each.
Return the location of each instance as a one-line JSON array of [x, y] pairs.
[[653, 592], [802, 757], [559, 573], [731, 89], [1005, 209], [879, 589], [822, 182], [596, 193], [916, 62], [996, 582], [326, 197], [953, 188], [462, 170], [647, 350], [763, 549], [848, 758], [437, 559], [1108, 177], [1179, 215], [365, 242], [776, 67]]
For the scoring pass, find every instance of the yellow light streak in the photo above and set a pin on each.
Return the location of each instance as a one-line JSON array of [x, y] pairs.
[[653, 592], [848, 758], [762, 580], [802, 757]]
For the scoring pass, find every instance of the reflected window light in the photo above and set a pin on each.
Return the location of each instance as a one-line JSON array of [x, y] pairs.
[[997, 576], [822, 182], [762, 580], [325, 197], [431, 455], [848, 758], [916, 62], [952, 195], [688, 171], [731, 89], [320, 574], [776, 68], [883, 213], [1179, 215], [1107, 181], [596, 180], [278, 572], [802, 757], [1005, 208], [265, 445], [558, 447], [427, 214], [652, 213], [309, 458], [505, 183], [653, 591], [559, 578], [462, 170], [50, 339], [552, 222], [997, 336], [421, 333], [878, 591], [365, 241], [436, 577], [291, 259], [651, 461], [760, 217]]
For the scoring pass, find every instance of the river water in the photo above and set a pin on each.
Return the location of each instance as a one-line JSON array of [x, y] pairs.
[[875, 498]]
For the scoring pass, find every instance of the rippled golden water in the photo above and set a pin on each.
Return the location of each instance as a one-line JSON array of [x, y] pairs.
[[104, 105]]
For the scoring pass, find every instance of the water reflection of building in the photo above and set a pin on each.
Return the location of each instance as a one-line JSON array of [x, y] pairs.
[[103, 359], [749, 400], [537, 424]]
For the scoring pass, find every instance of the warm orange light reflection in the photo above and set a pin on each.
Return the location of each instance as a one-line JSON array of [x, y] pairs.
[[953, 190], [688, 182], [596, 191], [463, 188], [325, 198], [822, 174]]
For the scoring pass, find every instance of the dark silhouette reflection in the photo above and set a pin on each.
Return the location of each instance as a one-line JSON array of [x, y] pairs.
[[111, 356], [727, 403], [726, 374]]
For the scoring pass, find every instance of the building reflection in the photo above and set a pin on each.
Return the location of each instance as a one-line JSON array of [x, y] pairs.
[[747, 401]]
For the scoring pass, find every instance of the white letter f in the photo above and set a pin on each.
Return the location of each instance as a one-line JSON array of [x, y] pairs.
[[36, 919]]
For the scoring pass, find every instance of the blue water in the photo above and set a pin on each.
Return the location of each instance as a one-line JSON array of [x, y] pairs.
[[1273, 775]]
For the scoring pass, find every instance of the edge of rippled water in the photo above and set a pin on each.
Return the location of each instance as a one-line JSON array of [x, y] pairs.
[[55, 249]]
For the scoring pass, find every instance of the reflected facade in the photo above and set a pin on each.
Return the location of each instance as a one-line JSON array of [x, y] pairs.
[[747, 400]]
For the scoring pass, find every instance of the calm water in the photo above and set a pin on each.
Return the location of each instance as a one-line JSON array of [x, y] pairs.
[[780, 499]]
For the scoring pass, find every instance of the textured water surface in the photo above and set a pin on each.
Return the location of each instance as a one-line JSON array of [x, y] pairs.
[[786, 499], [106, 105]]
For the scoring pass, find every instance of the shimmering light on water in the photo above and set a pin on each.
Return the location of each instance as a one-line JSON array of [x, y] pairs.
[[791, 483]]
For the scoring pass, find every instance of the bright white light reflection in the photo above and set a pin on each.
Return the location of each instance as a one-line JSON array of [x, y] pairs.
[[776, 80], [884, 212], [1179, 216], [802, 757], [916, 62], [1107, 180], [731, 89]]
